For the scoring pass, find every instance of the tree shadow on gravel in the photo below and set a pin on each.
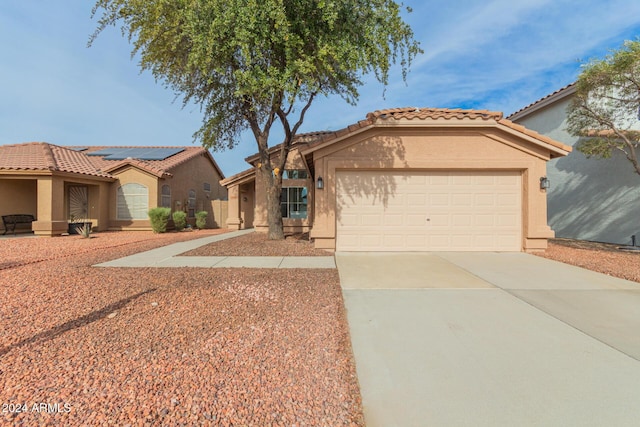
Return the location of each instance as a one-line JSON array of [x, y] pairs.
[[75, 323]]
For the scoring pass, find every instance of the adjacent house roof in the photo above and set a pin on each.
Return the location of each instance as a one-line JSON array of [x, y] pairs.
[[42, 156], [543, 102]]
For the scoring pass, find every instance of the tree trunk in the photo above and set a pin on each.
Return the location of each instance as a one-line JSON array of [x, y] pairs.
[[273, 187]]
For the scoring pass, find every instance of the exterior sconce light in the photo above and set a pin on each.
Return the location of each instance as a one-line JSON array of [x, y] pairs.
[[320, 183], [544, 183]]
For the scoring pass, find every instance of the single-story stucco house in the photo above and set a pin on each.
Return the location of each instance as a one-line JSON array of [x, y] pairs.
[[112, 187], [589, 198], [410, 179]]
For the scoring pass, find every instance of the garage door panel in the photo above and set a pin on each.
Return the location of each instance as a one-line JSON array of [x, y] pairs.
[[438, 199], [464, 199], [508, 221], [431, 211], [391, 220], [348, 220], [417, 200], [465, 220], [371, 220]]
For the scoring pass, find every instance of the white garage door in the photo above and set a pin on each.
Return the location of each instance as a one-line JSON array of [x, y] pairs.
[[429, 211]]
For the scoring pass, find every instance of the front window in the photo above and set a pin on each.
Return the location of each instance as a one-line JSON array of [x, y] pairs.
[[293, 202], [133, 201], [166, 196], [295, 174], [192, 204]]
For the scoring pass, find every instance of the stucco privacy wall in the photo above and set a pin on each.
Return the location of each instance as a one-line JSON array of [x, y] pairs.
[[409, 147], [590, 198]]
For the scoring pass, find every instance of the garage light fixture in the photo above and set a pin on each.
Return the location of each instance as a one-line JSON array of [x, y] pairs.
[[319, 183], [544, 183]]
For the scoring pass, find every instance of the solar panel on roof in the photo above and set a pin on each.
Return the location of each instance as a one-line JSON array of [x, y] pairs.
[[160, 153], [106, 151], [140, 153], [124, 153]]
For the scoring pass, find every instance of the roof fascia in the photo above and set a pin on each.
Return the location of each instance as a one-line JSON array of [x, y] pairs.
[[558, 151], [116, 169], [543, 103]]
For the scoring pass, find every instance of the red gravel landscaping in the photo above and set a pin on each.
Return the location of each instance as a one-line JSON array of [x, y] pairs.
[[174, 346], [601, 257], [257, 244]]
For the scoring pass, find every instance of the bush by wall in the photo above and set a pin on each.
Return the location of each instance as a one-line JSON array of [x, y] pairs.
[[159, 218], [201, 219], [180, 220]]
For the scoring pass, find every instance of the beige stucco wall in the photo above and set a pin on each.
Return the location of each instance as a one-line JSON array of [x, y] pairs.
[[590, 198], [193, 175], [125, 176], [98, 201], [18, 196], [437, 149]]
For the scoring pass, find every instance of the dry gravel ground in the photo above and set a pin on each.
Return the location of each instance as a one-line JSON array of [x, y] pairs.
[[602, 257], [256, 244], [167, 347]]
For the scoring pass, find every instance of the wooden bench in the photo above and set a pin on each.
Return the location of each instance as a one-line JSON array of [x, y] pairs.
[[10, 221]]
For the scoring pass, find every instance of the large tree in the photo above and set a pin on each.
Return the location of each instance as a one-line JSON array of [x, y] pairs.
[[251, 64], [605, 109]]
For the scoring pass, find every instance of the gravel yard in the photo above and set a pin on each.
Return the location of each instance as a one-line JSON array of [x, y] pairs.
[[256, 244], [185, 346], [602, 257]]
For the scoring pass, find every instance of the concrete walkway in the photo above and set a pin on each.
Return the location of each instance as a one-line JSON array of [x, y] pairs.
[[491, 339], [167, 256]]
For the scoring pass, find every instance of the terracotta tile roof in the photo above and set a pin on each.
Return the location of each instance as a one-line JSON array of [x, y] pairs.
[[41, 156], [31, 156], [316, 139], [144, 165], [413, 113], [247, 174], [155, 167]]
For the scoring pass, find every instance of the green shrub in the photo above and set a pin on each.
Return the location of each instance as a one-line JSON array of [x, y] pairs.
[[180, 220], [201, 219], [159, 218], [85, 230]]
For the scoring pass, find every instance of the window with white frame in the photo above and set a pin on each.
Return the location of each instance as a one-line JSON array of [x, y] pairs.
[[192, 204], [293, 202], [165, 200], [132, 201], [295, 174]]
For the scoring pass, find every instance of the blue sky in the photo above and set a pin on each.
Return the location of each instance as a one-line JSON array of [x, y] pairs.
[[493, 54]]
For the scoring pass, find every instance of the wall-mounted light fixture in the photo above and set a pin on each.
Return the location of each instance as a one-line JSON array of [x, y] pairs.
[[544, 183], [319, 183]]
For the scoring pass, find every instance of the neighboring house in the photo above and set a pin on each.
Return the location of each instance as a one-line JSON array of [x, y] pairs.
[[589, 198], [113, 187], [410, 180]]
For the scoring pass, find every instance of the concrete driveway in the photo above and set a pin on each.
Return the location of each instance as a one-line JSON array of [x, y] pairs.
[[491, 339]]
